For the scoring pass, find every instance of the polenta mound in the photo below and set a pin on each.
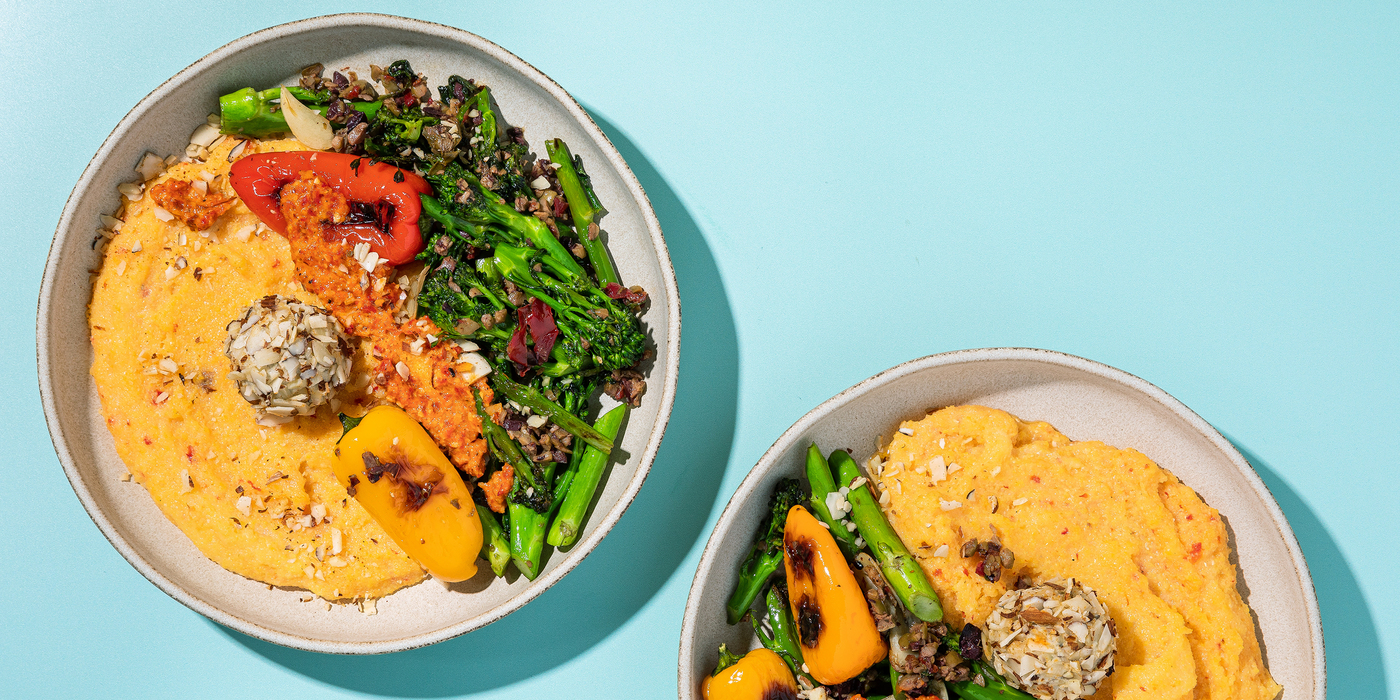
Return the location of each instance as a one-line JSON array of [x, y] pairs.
[[260, 501], [1157, 555]]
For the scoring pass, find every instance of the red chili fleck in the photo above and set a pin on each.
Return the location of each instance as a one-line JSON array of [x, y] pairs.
[[1190, 517], [1083, 495], [1064, 531], [189, 453], [1035, 478], [145, 439], [1195, 554]]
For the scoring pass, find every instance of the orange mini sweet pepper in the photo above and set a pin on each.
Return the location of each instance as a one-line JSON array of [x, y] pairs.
[[759, 675], [834, 625]]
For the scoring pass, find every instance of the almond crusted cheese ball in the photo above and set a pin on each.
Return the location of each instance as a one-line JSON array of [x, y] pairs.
[[1054, 640], [289, 358], [1157, 556]]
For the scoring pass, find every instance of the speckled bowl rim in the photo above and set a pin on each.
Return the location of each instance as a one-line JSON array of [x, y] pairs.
[[668, 374], [788, 441]]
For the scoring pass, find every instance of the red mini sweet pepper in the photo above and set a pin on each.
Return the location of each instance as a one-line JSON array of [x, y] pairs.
[[392, 191]]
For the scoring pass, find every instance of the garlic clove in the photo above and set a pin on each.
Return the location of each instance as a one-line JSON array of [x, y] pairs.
[[480, 367], [307, 126]]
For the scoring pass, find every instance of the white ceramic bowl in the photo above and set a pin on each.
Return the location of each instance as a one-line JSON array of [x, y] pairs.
[[1086, 401], [162, 123]]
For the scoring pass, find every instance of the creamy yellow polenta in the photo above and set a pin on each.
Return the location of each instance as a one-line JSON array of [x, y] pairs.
[[1157, 555], [159, 307]]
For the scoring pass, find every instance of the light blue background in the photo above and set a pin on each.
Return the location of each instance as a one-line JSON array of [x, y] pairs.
[[1204, 197]]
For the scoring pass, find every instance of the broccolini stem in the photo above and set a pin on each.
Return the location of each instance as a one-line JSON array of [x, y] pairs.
[[995, 689], [820, 479], [526, 550], [900, 567], [753, 576], [494, 548], [566, 480], [533, 229], [783, 641], [766, 556], [583, 209], [502, 445], [535, 401], [481, 101], [527, 527], [896, 694], [569, 522], [453, 223]]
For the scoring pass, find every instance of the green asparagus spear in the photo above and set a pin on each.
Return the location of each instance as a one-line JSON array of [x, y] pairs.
[[900, 567], [527, 526], [568, 524], [250, 112], [494, 548], [819, 478]]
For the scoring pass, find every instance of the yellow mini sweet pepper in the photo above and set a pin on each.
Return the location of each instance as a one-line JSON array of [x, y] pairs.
[[393, 468]]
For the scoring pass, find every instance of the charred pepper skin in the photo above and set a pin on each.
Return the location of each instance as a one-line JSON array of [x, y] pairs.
[[258, 180]]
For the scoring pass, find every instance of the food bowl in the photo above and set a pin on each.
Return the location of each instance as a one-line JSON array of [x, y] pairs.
[[161, 123], [1086, 401]]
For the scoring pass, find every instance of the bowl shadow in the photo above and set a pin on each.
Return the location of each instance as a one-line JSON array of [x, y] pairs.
[[646, 546], [1355, 665]]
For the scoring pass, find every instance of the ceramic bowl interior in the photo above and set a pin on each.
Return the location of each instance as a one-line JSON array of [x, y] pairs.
[[1086, 401], [161, 123]]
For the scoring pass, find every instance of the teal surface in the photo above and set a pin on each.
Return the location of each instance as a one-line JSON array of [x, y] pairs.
[[1205, 197]]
